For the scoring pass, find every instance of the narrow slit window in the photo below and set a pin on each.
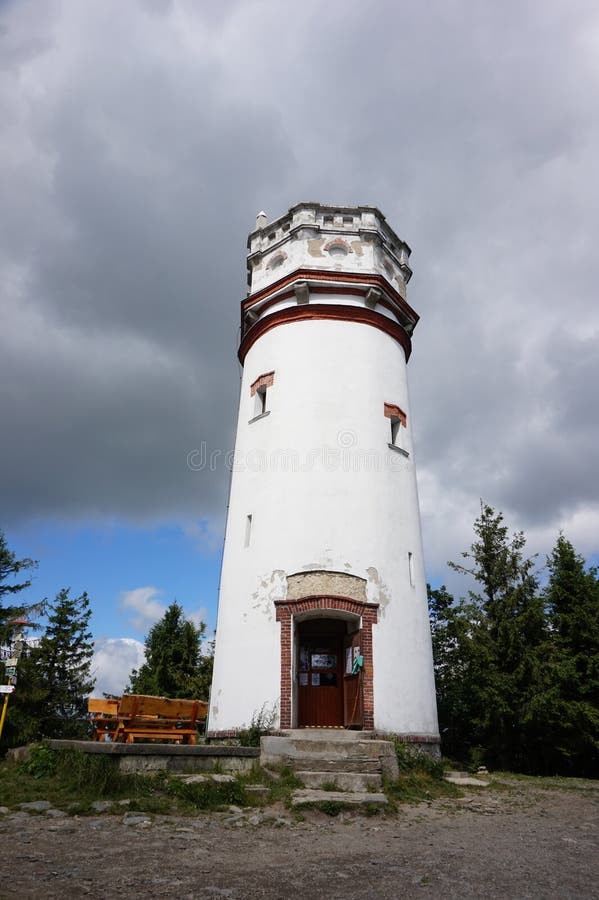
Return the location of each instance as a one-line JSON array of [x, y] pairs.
[[248, 531], [411, 568], [259, 391], [260, 406], [397, 421]]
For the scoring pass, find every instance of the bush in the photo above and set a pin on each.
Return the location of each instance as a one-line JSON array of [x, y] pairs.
[[262, 723], [410, 759]]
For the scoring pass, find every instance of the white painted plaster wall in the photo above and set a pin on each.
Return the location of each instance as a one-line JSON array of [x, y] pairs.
[[324, 492]]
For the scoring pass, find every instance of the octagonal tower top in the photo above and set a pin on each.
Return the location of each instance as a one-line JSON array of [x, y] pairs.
[[315, 236]]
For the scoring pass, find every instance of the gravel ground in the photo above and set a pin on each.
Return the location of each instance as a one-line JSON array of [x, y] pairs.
[[520, 842]]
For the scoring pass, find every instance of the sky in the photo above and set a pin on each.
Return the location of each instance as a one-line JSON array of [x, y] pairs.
[[138, 142]]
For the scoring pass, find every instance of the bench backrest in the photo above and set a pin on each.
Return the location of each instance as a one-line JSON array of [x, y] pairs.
[[101, 706], [162, 707]]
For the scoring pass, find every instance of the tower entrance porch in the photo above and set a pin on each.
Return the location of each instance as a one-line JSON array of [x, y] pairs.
[[326, 662]]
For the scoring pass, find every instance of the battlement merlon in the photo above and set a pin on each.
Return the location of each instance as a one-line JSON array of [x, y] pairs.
[[355, 239]]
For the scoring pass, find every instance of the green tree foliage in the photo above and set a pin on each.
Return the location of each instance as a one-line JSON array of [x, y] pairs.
[[55, 677], [175, 665], [11, 570], [488, 648], [63, 660], [516, 667], [568, 706]]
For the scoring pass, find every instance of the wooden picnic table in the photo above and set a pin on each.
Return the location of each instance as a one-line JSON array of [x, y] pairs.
[[143, 717]]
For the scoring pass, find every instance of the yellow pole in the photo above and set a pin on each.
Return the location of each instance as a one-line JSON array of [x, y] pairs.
[[3, 716]]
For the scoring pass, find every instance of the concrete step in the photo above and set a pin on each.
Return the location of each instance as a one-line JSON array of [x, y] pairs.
[[324, 747], [326, 734], [328, 754], [318, 764], [343, 781], [309, 797]]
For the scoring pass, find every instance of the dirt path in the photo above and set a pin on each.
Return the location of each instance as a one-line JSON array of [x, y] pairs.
[[518, 843]]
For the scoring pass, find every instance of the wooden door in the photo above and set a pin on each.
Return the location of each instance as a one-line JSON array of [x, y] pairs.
[[320, 680], [353, 715]]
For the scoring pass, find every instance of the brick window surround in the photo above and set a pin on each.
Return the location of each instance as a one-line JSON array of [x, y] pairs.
[[263, 381], [287, 609], [395, 412]]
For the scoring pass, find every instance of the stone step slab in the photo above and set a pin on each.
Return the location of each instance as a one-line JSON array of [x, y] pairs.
[[326, 734], [343, 781], [464, 779], [318, 764], [293, 746], [310, 797]]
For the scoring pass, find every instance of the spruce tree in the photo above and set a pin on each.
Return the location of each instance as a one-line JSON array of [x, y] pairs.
[[175, 665], [498, 635], [569, 705], [10, 585], [54, 677], [63, 665]]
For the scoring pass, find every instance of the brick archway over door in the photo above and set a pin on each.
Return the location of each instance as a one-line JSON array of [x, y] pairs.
[[286, 609]]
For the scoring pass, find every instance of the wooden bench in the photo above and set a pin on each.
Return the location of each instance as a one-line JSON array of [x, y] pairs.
[[103, 714], [159, 718]]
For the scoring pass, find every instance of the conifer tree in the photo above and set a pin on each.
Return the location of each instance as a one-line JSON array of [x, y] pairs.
[[54, 677], [63, 665], [569, 705], [497, 636], [175, 665], [10, 585]]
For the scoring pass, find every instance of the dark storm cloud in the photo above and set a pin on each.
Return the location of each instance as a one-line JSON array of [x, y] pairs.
[[140, 140]]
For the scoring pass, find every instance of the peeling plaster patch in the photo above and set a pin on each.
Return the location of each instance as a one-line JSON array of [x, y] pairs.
[[315, 245], [272, 587], [357, 247], [376, 590]]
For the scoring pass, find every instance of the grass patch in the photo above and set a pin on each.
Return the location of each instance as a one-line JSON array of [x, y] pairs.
[[329, 786], [412, 787], [73, 780], [206, 795], [328, 807], [420, 776], [507, 780], [69, 779]]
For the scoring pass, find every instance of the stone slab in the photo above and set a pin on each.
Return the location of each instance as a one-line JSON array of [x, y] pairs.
[[343, 781], [156, 749], [324, 734], [462, 779], [157, 757], [310, 797]]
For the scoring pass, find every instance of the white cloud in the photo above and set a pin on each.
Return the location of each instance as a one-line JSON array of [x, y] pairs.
[[198, 616], [140, 139], [113, 661], [144, 606]]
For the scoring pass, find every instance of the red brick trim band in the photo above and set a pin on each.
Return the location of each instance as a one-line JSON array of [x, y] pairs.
[[324, 311], [395, 412], [341, 278], [266, 380], [286, 609]]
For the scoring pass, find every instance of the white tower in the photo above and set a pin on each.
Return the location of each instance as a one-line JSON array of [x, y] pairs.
[[323, 566]]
